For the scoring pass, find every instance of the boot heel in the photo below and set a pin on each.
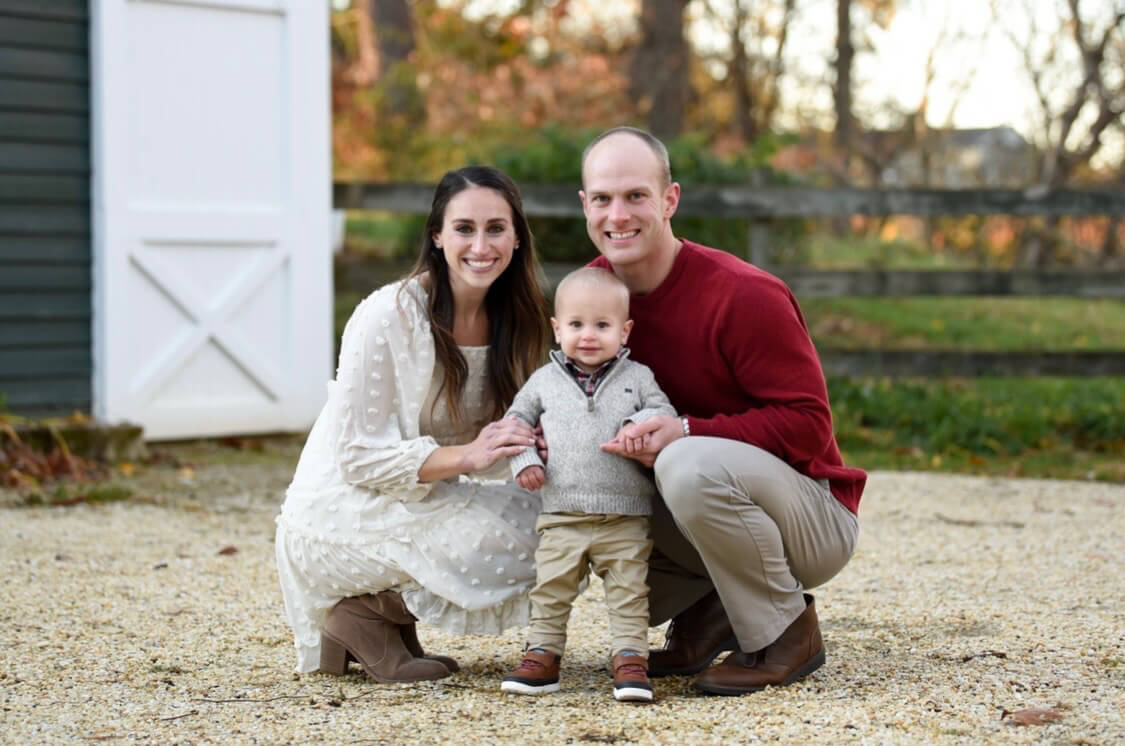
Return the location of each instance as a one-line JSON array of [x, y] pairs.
[[333, 657]]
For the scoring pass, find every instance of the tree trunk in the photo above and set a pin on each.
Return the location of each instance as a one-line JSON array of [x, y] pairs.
[[842, 91], [659, 72], [394, 36], [739, 75]]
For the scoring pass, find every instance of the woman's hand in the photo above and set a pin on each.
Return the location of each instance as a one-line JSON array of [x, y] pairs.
[[501, 439]]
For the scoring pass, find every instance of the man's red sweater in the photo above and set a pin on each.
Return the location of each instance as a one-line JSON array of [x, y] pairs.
[[728, 344]]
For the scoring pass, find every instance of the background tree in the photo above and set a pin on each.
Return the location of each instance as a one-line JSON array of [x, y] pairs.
[[659, 72], [1076, 68]]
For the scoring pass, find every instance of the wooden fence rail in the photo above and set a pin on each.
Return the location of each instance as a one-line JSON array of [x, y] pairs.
[[760, 205]]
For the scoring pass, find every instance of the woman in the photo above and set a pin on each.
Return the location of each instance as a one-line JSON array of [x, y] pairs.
[[378, 527]]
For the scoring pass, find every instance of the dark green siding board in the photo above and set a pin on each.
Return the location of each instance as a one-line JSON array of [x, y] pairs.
[[45, 248], [51, 10], [34, 33], [27, 334], [44, 220], [44, 306], [23, 156], [45, 253], [41, 95], [44, 64], [49, 277], [48, 395], [27, 126], [21, 364], [50, 189]]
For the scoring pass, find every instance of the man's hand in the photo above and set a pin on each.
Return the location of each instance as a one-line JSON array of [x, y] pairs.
[[645, 441], [531, 478]]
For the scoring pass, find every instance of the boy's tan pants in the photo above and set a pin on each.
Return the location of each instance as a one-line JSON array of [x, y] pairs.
[[617, 548]]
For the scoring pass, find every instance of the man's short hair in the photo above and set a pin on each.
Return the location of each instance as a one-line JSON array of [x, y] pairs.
[[647, 138], [597, 277]]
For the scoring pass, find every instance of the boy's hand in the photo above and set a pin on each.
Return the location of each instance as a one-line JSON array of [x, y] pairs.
[[532, 478], [643, 442]]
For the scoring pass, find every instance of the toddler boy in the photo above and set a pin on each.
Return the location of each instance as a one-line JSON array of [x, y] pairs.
[[595, 504]]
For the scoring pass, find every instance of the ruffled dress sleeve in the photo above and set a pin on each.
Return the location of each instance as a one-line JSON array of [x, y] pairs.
[[386, 361]]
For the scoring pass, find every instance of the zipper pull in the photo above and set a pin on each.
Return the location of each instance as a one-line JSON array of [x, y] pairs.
[[589, 403]]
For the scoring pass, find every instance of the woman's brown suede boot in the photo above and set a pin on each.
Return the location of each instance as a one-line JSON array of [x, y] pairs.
[[410, 640], [367, 629]]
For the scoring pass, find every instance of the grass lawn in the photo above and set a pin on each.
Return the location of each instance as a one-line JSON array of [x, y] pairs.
[[1021, 323]]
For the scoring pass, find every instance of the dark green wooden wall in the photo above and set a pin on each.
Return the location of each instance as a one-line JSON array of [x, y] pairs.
[[45, 242]]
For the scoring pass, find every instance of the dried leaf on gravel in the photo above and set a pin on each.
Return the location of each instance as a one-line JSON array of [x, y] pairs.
[[243, 444], [985, 654], [1034, 715], [228, 550]]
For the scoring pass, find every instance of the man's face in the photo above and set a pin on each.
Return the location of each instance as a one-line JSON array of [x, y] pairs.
[[625, 199]]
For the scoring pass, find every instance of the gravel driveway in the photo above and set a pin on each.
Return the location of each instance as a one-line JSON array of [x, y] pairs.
[[158, 620]]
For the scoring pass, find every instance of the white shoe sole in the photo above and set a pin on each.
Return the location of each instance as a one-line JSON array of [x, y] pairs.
[[631, 694], [518, 687]]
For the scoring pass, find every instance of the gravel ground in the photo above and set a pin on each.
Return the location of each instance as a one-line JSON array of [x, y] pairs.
[[968, 599]]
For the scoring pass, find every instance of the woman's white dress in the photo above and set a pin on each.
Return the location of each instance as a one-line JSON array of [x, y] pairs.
[[357, 520]]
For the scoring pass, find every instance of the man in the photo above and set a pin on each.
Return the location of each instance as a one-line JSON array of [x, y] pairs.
[[757, 505]]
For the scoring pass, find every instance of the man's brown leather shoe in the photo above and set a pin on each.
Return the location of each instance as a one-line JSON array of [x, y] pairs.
[[793, 656], [695, 636]]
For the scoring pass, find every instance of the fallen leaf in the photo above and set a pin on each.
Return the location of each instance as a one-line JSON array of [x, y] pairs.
[[1034, 715], [229, 550], [127, 468], [242, 444], [186, 473]]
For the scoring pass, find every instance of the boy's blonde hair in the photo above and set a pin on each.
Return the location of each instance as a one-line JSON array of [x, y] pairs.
[[598, 278]]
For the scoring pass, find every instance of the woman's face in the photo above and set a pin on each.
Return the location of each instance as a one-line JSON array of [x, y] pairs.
[[477, 238]]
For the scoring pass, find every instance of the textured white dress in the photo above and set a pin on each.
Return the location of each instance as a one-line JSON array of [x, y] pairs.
[[357, 520]]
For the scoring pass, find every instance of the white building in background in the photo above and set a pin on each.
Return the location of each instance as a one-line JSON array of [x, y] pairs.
[[211, 204]]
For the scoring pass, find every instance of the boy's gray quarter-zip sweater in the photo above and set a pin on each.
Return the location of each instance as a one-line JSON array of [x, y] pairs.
[[582, 478]]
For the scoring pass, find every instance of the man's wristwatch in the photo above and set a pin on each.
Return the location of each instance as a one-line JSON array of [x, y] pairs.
[[687, 427]]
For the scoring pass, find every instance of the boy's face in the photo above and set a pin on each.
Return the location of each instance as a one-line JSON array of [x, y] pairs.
[[590, 324]]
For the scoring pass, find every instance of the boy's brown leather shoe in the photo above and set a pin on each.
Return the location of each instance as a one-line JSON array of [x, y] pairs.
[[695, 636], [537, 673], [794, 655], [630, 682]]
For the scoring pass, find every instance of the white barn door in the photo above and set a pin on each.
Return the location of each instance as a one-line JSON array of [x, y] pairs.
[[211, 208]]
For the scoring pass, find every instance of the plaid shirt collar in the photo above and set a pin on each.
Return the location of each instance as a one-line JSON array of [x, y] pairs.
[[588, 381]]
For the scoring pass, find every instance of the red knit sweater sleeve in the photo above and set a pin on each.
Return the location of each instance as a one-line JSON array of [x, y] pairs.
[[763, 338]]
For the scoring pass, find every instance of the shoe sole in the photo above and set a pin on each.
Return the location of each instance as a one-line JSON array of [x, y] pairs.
[[632, 694], [518, 687], [731, 643], [730, 691]]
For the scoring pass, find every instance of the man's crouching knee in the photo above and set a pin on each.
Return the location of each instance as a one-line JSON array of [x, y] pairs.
[[680, 482]]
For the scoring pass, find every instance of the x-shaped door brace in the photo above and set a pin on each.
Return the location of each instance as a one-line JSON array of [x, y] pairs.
[[209, 325]]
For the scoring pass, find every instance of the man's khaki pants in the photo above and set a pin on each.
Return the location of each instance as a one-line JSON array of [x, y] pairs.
[[735, 518], [617, 548]]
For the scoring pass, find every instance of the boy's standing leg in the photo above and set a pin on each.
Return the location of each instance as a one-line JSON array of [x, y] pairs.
[[619, 556], [561, 563]]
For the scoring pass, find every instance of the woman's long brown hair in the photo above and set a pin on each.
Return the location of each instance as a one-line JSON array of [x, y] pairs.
[[517, 309]]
